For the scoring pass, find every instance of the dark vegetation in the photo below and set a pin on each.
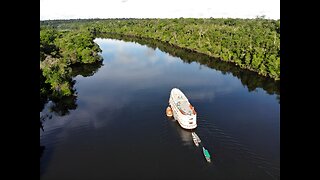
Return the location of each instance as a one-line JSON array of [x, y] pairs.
[[61, 54], [252, 44]]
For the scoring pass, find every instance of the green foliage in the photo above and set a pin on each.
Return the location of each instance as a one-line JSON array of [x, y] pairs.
[[58, 51], [56, 73], [47, 46], [257, 39], [78, 47]]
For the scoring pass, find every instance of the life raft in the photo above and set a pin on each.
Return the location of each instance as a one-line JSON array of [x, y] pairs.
[[169, 111]]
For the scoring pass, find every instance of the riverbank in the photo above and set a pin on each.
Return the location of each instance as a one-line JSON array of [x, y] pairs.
[[59, 51], [252, 44], [202, 57], [249, 79]]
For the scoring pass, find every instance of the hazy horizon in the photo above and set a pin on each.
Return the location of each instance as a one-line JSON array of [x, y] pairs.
[[142, 9]]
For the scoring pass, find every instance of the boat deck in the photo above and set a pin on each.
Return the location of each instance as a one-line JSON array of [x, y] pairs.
[[183, 105]]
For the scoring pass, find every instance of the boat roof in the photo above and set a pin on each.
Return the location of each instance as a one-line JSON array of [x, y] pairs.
[[181, 101], [178, 95]]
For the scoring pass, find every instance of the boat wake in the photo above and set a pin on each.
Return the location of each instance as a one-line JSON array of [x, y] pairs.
[[213, 134]]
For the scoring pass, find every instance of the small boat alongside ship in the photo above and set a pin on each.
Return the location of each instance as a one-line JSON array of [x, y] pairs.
[[206, 154], [182, 110], [195, 139], [169, 111]]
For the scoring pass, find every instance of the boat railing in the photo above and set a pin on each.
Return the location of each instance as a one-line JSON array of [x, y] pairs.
[[182, 111], [193, 110]]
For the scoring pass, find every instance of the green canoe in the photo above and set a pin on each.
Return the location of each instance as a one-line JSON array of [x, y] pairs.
[[206, 154]]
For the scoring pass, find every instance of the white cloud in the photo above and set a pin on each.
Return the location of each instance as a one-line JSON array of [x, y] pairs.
[[70, 9]]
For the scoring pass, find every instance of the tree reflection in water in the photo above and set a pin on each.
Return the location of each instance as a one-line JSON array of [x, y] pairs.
[[61, 106], [249, 79]]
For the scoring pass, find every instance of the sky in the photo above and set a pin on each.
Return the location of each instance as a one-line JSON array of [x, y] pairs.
[[85, 9]]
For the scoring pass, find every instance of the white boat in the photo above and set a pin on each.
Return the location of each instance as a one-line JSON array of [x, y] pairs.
[[195, 141], [195, 138], [182, 110]]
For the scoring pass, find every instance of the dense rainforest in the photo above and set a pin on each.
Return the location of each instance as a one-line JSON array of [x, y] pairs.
[[61, 52], [252, 44]]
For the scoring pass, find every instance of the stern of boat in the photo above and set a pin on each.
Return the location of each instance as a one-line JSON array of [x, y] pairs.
[[188, 122]]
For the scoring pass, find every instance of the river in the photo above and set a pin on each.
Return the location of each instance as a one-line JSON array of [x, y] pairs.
[[117, 127]]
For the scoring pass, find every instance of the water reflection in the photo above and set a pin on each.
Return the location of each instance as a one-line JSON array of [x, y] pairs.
[[249, 79], [105, 130], [140, 75], [86, 70], [62, 106], [191, 138], [185, 135]]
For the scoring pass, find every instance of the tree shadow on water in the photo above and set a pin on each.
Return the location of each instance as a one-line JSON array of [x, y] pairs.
[[52, 103], [249, 79]]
